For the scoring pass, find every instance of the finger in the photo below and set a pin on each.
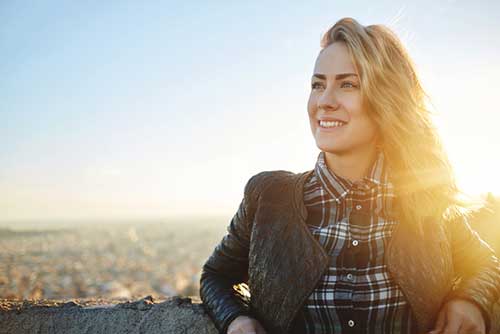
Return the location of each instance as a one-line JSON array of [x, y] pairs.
[[440, 323], [470, 328], [453, 324], [243, 330], [248, 330]]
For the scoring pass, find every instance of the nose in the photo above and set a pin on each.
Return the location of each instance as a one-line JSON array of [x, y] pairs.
[[328, 100]]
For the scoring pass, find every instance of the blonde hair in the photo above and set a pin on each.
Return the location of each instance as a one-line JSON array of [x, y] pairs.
[[423, 178]]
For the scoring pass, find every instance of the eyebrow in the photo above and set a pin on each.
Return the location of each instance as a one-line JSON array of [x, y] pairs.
[[337, 77]]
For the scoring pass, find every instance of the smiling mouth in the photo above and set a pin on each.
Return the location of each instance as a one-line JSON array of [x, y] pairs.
[[331, 124]]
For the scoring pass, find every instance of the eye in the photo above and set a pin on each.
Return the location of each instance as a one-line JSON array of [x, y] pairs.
[[315, 85], [352, 85]]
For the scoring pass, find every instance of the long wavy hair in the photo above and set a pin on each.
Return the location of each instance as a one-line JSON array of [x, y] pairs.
[[424, 182]]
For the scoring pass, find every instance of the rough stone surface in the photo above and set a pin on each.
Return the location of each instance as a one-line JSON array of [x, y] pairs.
[[144, 316]]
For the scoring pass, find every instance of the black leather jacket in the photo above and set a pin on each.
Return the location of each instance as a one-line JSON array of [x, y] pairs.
[[270, 250]]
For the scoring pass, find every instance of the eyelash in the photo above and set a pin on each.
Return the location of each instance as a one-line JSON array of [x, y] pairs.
[[314, 85]]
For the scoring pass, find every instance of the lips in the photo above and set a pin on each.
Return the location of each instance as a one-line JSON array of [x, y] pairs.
[[331, 119]]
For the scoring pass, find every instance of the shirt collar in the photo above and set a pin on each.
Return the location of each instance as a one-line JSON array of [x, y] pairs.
[[338, 186]]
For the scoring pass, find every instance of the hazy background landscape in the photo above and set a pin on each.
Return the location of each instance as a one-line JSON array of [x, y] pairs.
[[105, 260]]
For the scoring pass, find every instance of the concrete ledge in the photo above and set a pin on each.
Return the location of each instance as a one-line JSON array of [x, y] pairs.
[[145, 316], [95, 316]]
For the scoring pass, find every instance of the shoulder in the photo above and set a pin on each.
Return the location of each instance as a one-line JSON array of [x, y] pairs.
[[459, 227], [264, 180], [456, 216], [454, 213], [453, 216]]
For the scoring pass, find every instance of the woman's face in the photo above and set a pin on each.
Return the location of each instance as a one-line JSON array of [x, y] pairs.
[[335, 95]]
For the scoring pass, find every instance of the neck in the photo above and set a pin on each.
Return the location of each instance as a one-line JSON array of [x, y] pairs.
[[352, 165]]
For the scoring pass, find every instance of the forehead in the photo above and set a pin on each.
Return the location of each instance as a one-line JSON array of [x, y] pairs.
[[334, 59]]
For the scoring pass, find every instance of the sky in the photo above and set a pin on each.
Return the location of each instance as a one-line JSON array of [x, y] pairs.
[[154, 109]]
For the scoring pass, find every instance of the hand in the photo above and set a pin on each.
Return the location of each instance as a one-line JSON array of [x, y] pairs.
[[459, 316], [245, 325]]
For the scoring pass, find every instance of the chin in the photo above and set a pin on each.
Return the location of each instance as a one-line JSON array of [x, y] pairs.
[[330, 148], [325, 144]]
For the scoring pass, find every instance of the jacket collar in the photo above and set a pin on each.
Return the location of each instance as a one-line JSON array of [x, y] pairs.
[[338, 187]]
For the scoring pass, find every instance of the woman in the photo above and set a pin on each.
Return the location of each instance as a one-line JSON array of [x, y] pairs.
[[373, 239]]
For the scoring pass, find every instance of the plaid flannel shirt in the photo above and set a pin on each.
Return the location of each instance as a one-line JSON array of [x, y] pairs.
[[353, 222]]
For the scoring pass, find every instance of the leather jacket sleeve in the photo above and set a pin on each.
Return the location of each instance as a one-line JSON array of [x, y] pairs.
[[477, 269], [228, 266]]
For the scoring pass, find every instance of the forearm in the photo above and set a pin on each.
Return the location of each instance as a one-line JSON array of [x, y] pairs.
[[477, 268], [221, 300], [226, 267], [481, 288]]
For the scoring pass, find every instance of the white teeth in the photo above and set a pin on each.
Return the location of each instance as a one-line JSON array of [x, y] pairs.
[[327, 124]]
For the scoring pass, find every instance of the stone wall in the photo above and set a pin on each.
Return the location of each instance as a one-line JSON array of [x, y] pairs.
[[145, 316], [97, 316]]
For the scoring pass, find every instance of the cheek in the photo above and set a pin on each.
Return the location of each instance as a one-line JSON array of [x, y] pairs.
[[368, 127], [311, 104], [354, 105], [311, 112]]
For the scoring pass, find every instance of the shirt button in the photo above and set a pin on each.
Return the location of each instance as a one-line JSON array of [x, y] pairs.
[[355, 242], [358, 207], [350, 323], [349, 277]]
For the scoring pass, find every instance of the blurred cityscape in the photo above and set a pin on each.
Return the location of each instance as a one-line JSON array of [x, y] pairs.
[[106, 260], [129, 260]]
